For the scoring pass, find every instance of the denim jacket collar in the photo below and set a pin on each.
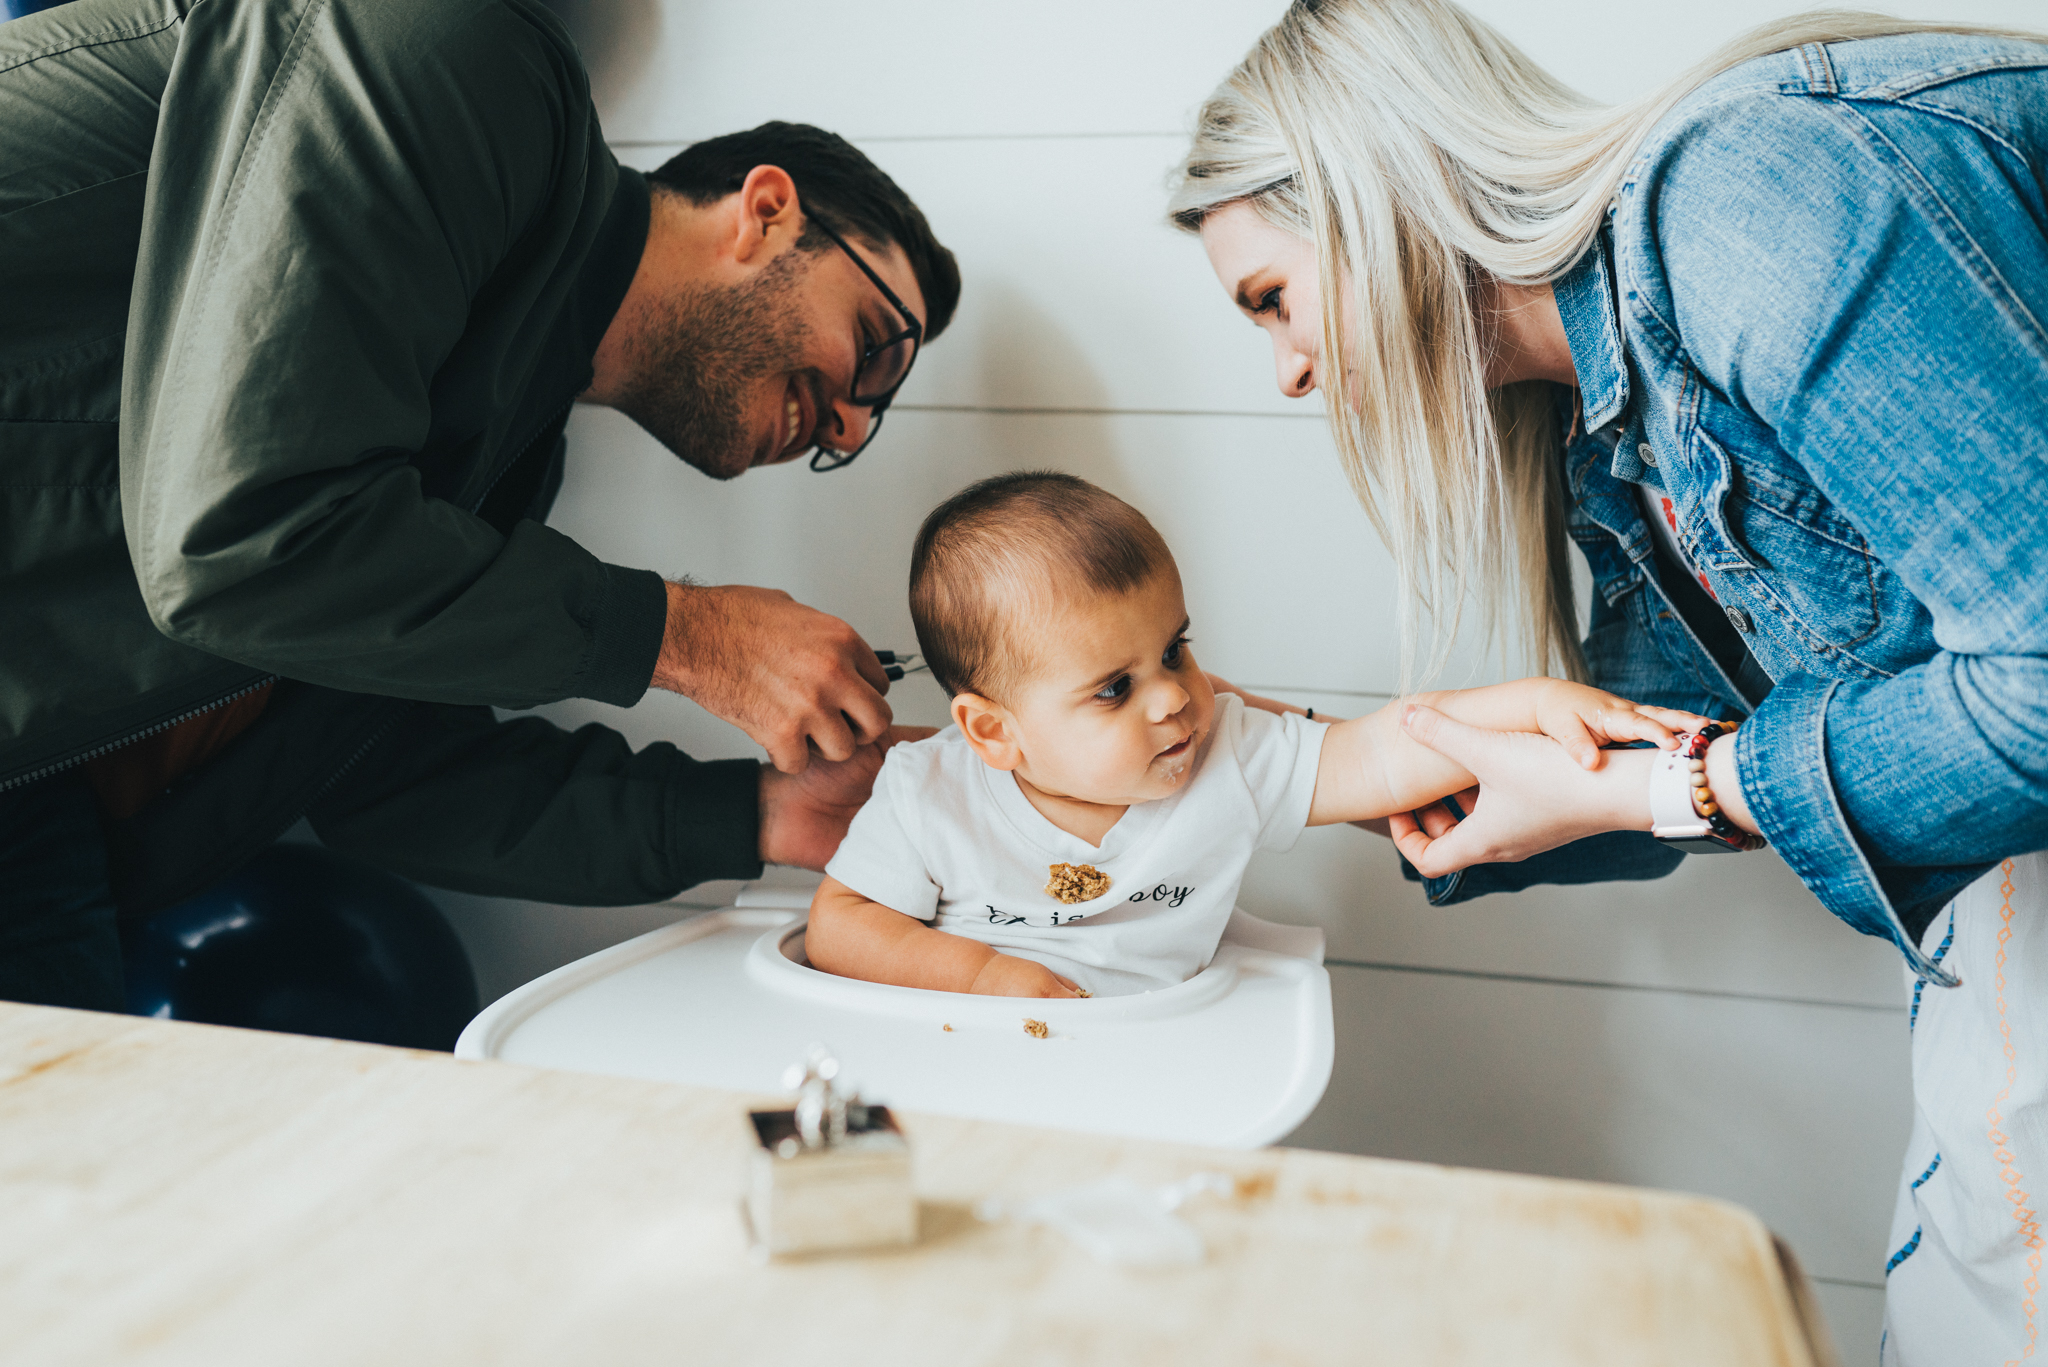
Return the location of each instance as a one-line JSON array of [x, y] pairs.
[[1585, 301]]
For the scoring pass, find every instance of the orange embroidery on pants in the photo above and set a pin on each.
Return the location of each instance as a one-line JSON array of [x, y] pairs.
[[2029, 1222]]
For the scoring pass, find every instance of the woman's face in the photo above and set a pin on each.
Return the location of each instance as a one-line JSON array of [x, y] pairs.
[[1271, 274]]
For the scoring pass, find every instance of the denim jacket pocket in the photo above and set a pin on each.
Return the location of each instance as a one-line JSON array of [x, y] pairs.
[[1783, 553]]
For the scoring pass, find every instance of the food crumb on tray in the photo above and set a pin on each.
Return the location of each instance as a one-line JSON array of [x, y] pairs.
[[1037, 1029], [947, 1028]]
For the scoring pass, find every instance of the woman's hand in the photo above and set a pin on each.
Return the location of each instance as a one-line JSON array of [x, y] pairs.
[[1583, 719], [1532, 797]]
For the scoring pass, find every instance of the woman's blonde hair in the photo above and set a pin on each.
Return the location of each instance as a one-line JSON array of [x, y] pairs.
[[1421, 152]]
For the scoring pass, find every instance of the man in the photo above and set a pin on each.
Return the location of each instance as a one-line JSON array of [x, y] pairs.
[[295, 300]]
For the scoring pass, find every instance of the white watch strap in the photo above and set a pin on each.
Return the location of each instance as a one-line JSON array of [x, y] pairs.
[[1672, 815]]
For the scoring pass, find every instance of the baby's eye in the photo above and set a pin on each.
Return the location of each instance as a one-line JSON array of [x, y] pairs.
[[1171, 659], [1269, 302], [1114, 690]]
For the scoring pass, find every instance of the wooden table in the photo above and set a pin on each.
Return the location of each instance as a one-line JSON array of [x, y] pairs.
[[183, 1194]]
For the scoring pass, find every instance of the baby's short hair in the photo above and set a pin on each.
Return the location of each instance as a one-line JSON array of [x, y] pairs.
[[1016, 541]]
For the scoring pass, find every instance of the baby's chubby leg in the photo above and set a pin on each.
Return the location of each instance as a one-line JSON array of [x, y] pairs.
[[857, 938]]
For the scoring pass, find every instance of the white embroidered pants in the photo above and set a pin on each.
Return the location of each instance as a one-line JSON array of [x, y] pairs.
[[1963, 1288]]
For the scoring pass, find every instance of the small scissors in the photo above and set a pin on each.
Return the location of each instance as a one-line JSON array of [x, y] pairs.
[[897, 663]]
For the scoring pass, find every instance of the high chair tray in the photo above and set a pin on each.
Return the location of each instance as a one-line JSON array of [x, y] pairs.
[[1236, 1056]]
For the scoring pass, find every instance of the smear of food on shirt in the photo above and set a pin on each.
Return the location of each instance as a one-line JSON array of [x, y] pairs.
[[1071, 883], [1037, 1029]]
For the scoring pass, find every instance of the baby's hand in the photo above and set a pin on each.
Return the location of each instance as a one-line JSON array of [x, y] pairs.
[[1005, 975], [1582, 719]]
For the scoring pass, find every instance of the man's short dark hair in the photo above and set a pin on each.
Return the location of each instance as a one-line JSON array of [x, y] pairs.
[[834, 183], [985, 554]]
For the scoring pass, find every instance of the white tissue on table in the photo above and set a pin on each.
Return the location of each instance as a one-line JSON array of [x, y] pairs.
[[1118, 1221]]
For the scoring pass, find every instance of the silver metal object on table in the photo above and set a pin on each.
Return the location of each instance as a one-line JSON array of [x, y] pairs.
[[831, 1174]]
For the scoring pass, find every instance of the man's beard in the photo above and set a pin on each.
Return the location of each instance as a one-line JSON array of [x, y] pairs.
[[698, 353]]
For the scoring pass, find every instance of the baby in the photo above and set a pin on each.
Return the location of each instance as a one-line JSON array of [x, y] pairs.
[[1086, 821]]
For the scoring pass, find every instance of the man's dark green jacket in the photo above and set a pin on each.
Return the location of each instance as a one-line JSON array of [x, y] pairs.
[[295, 296]]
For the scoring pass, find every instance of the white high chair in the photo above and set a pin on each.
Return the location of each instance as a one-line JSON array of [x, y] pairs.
[[1238, 1055]]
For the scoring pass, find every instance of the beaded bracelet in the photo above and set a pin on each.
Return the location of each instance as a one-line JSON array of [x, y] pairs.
[[1695, 750]]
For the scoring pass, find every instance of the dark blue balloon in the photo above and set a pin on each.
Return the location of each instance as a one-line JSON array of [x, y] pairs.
[[305, 941]]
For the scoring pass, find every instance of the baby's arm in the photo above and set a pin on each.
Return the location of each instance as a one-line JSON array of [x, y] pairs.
[[857, 938], [1370, 768]]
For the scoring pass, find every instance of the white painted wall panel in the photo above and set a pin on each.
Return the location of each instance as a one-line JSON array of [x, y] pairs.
[[908, 68], [940, 68], [1285, 577], [1796, 1112], [1727, 925], [1856, 1315]]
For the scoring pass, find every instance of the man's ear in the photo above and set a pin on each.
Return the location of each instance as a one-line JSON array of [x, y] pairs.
[[769, 216], [989, 728]]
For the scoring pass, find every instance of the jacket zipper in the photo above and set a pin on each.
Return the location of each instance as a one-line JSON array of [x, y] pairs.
[[129, 739]]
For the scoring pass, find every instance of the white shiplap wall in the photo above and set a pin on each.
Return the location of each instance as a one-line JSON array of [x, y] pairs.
[[1715, 1032]]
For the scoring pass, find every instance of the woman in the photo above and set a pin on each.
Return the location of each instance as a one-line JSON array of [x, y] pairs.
[[1771, 347]]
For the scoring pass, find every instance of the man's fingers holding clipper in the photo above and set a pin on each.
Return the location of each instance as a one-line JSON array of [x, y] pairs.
[[832, 737], [798, 681]]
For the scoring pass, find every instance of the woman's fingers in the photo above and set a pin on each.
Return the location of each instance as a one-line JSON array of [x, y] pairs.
[[1535, 797], [1434, 846], [1437, 819], [1416, 831], [1409, 837], [1452, 739]]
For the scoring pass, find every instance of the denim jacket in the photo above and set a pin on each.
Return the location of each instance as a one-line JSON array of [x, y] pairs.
[[1817, 321]]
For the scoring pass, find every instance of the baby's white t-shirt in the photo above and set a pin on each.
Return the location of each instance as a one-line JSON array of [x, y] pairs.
[[947, 839]]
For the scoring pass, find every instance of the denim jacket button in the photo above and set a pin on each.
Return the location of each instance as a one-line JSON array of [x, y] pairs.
[[1648, 454], [1739, 619]]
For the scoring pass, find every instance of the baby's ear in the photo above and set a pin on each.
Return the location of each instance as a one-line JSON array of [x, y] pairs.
[[989, 729]]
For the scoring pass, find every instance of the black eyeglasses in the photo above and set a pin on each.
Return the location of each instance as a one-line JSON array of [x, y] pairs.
[[883, 368]]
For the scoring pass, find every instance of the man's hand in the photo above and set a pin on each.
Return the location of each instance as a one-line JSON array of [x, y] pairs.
[[791, 677], [804, 816]]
